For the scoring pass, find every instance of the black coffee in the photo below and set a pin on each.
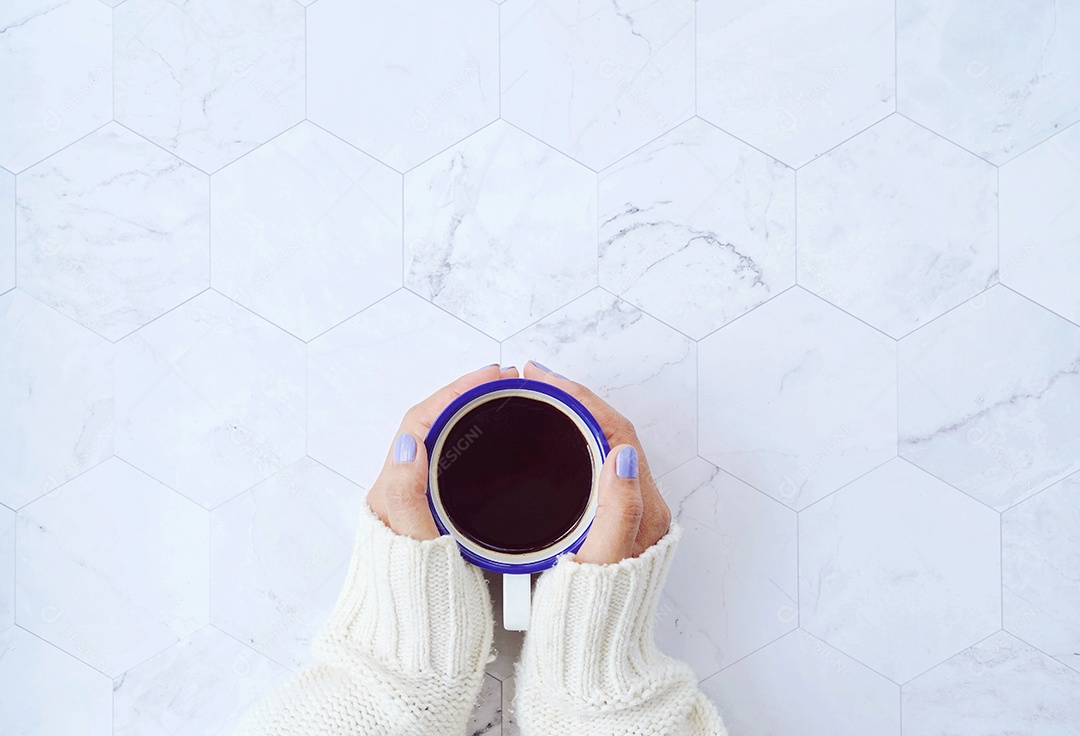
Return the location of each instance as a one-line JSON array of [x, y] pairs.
[[515, 474]]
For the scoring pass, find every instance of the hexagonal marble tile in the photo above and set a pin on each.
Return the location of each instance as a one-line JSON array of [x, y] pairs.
[[699, 209], [210, 399], [899, 570], [1040, 555], [353, 407], [999, 686], [56, 384], [113, 231], [800, 686], [486, 718], [988, 397], [7, 567], [306, 230], [56, 77], [996, 99], [642, 367], [509, 721], [402, 81], [112, 567], [897, 226], [279, 553], [797, 398], [498, 249], [594, 79], [733, 586], [795, 80], [200, 685], [1040, 223], [209, 80], [7, 231], [48, 691]]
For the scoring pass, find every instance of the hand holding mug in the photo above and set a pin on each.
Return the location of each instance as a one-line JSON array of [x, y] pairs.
[[399, 495], [631, 516]]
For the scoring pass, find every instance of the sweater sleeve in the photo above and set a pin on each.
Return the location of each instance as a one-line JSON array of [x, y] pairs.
[[403, 651], [590, 666]]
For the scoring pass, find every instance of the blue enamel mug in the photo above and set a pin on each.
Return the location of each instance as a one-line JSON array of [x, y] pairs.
[[442, 447]]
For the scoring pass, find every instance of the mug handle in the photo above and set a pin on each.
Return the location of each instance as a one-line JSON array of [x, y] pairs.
[[517, 605]]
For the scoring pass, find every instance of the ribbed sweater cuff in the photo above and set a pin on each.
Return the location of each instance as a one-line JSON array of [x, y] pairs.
[[414, 607], [591, 635]]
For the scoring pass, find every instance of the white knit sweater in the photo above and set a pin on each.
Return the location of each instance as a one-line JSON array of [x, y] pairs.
[[405, 647]]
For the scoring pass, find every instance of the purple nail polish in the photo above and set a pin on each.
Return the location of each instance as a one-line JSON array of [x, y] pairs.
[[404, 448], [543, 367], [626, 462]]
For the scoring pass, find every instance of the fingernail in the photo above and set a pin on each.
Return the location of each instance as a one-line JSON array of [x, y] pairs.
[[626, 462], [486, 366], [404, 448], [543, 367], [506, 367]]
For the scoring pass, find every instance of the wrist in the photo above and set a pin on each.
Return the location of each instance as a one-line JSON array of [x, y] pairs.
[[412, 606], [591, 635]]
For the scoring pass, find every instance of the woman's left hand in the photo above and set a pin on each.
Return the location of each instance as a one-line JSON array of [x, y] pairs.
[[399, 495]]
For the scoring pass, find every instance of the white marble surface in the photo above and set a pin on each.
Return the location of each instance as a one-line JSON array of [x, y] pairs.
[[306, 230], [795, 79], [403, 80], [698, 208], [711, 213], [486, 719], [1040, 223], [797, 398], [911, 213], [209, 80], [1040, 555], [957, 74], [509, 721], [636, 363], [115, 231], [597, 79], [200, 685], [210, 399], [278, 555], [7, 567], [801, 686], [56, 387], [498, 249], [899, 570], [49, 692], [989, 395], [353, 411], [732, 587], [999, 686], [56, 78], [7, 231], [112, 567]]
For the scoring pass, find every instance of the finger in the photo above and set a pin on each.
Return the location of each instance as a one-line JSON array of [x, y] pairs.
[[614, 530], [404, 486], [617, 427], [419, 418], [509, 372]]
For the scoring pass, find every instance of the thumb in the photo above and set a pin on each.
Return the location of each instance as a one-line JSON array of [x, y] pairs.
[[618, 510], [407, 508]]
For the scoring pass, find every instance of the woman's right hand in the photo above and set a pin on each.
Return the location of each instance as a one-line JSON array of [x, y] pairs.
[[631, 516]]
